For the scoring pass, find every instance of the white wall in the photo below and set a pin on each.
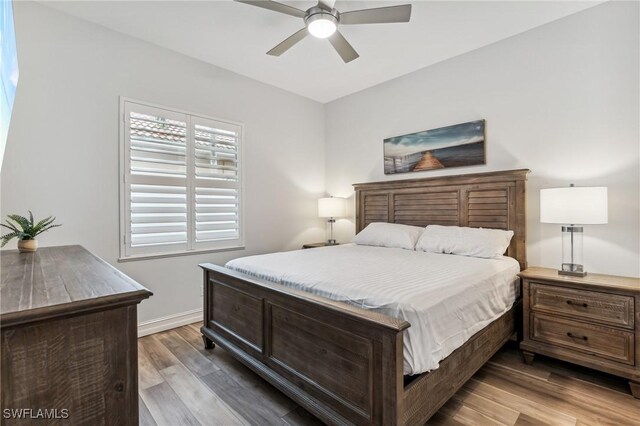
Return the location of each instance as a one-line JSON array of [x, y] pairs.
[[561, 100], [62, 150]]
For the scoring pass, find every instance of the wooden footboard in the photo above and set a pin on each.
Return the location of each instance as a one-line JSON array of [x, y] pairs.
[[342, 363], [424, 396]]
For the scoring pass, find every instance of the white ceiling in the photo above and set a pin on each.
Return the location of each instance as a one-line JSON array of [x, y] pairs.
[[236, 36]]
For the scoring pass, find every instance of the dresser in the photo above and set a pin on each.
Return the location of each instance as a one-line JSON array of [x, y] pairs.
[[592, 321], [68, 323]]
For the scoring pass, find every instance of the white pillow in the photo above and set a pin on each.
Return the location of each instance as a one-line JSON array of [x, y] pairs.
[[392, 235], [476, 242]]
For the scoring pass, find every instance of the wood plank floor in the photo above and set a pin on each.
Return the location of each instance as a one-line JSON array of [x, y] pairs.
[[181, 383]]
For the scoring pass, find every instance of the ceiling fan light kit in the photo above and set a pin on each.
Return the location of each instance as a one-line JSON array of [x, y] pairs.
[[322, 21]]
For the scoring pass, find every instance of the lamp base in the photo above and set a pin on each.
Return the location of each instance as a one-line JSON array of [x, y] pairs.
[[572, 269], [572, 252], [572, 274]]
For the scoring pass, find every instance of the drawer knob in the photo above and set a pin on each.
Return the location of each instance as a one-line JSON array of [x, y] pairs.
[[571, 302], [574, 336]]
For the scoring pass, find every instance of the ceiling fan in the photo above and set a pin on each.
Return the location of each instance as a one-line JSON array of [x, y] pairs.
[[322, 21]]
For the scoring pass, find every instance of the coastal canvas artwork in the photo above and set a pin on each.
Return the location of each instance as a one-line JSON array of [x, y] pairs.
[[451, 146]]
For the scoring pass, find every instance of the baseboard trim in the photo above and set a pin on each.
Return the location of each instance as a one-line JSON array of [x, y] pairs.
[[167, 323]]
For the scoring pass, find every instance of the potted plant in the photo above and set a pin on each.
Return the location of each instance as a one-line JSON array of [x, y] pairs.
[[26, 230]]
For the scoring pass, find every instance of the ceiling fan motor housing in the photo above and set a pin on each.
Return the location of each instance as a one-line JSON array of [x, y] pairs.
[[316, 13]]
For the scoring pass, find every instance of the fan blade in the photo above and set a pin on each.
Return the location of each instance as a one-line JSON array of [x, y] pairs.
[[327, 4], [342, 46], [288, 43], [380, 15], [276, 7]]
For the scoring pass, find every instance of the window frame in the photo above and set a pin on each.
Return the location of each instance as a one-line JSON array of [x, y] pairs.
[[128, 253]]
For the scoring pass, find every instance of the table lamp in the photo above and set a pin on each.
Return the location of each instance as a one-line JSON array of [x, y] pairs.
[[331, 207], [570, 207]]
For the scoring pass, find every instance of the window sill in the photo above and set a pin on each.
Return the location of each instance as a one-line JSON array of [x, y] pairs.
[[135, 257]]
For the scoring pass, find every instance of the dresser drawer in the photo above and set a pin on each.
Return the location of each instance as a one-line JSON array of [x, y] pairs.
[[603, 308], [599, 341]]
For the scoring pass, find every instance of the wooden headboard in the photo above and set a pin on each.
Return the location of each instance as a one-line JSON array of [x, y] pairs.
[[482, 200]]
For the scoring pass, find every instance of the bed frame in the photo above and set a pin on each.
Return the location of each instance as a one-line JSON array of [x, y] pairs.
[[345, 364]]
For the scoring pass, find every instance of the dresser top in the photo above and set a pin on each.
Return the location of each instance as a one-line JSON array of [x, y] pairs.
[[58, 281], [613, 282]]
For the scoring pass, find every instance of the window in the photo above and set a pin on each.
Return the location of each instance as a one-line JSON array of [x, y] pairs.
[[181, 182]]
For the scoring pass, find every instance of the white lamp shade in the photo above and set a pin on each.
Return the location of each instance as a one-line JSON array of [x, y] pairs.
[[574, 205], [332, 207]]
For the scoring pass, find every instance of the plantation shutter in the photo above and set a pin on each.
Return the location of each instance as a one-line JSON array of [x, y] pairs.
[[181, 182], [216, 181]]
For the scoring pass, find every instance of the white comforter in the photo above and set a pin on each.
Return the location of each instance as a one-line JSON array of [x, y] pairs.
[[445, 298]]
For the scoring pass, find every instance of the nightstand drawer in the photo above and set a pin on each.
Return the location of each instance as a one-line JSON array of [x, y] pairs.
[[604, 308], [599, 341]]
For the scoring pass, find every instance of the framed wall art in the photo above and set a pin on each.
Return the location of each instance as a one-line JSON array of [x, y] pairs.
[[452, 146]]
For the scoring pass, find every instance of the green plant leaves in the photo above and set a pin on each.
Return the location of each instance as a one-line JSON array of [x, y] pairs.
[[25, 229], [20, 220], [40, 231], [42, 226], [11, 226], [8, 237]]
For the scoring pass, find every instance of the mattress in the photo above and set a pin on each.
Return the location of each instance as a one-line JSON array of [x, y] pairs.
[[446, 298]]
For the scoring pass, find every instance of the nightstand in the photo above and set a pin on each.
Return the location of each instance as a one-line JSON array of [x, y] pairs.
[[593, 321], [315, 245]]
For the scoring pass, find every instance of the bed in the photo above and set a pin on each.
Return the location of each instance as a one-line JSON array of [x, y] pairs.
[[446, 298], [336, 356]]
